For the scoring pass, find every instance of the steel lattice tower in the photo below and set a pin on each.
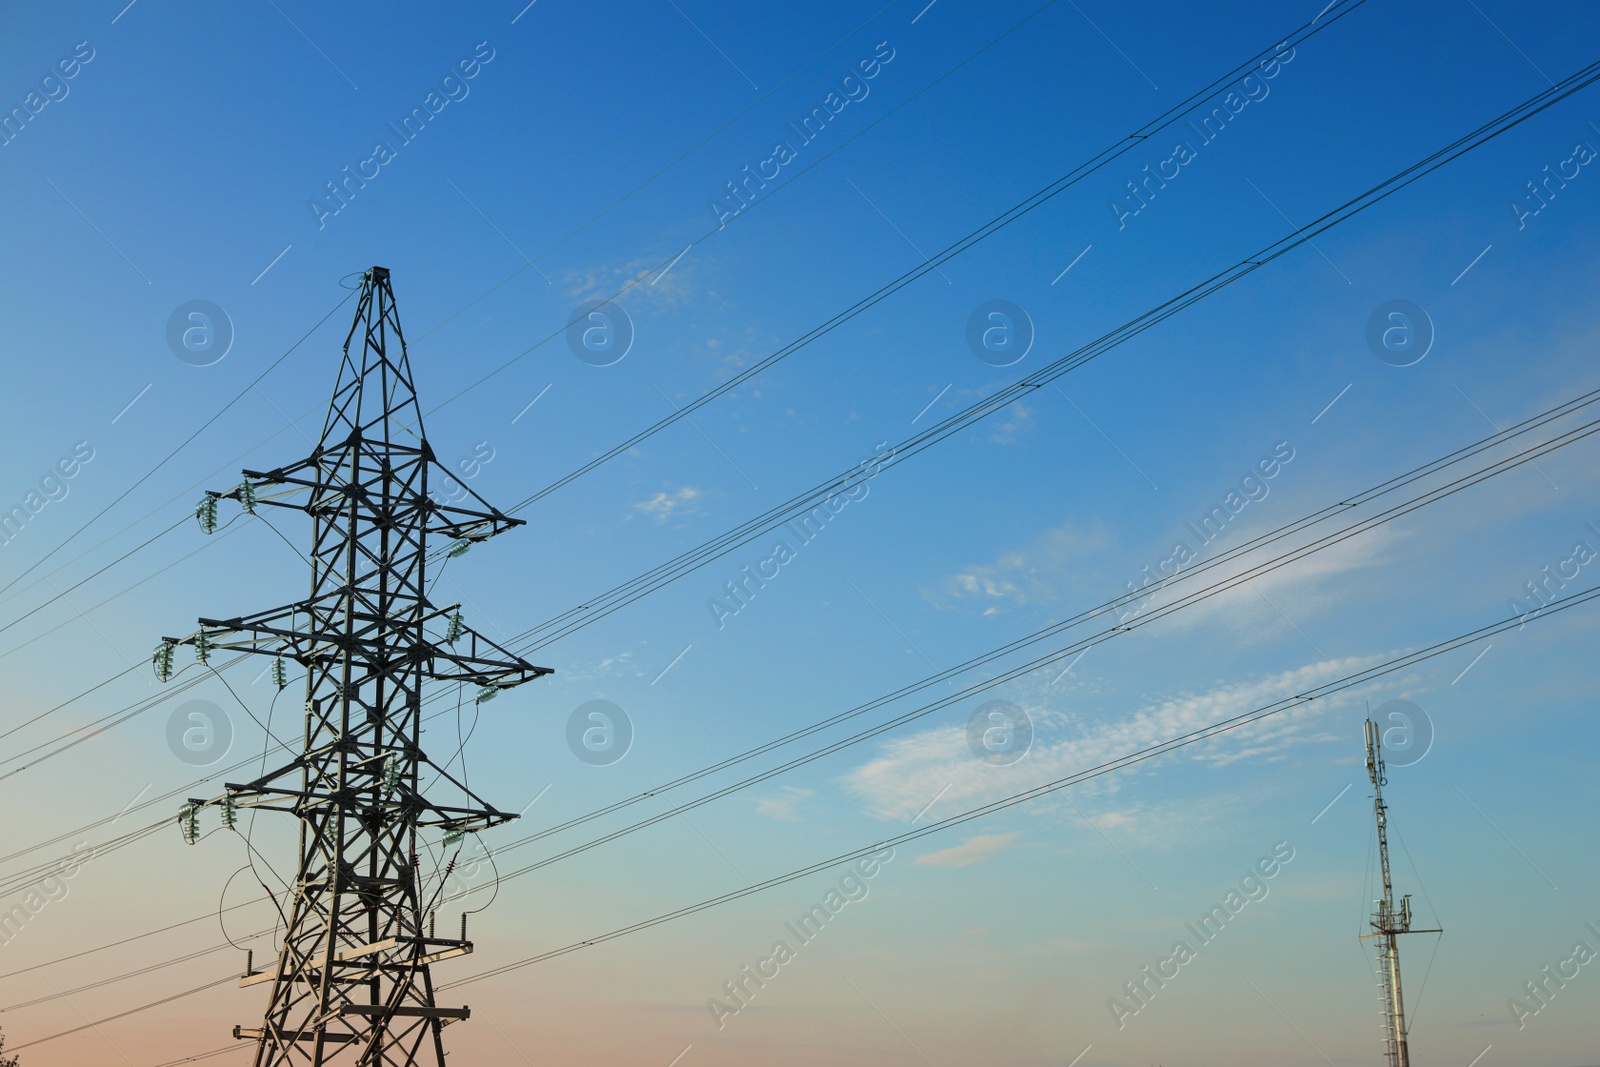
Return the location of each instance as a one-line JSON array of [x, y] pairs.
[[352, 982], [1388, 922]]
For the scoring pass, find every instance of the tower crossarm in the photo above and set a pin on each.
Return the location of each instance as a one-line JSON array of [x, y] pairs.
[[475, 658], [471, 657], [439, 518]]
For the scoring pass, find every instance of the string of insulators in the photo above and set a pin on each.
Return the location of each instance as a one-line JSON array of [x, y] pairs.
[[162, 660], [459, 549], [280, 675], [230, 812], [391, 777], [202, 647], [488, 692], [456, 627], [206, 512], [189, 824], [451, 838], [247, 496], [449, 867]]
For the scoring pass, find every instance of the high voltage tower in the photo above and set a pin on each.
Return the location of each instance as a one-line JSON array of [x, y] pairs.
[[1387, 922], [352, 982]]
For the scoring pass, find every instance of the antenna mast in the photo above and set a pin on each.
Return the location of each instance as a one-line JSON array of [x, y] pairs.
[[352, 983], [1388, 922]]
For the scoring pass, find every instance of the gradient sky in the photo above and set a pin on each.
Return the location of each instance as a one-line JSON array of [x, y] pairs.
[[182, 162]]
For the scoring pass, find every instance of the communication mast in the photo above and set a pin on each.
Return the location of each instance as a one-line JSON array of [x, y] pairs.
[[1388, 923], [352, 983]]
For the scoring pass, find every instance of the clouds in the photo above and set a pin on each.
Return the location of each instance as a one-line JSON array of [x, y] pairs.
[[1034, 574], [649, 288], [1310, 586], [1017, 423], [1045, 573], [664, 505], [973, 850], [783, 807], [895, 784]]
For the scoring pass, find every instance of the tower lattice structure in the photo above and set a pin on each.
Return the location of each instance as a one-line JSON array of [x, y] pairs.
[[352, 983], [1388, 922]]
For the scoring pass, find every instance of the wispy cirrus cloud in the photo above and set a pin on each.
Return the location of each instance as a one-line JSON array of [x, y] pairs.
[[785, 805], [1034, 574], [979, 849], [895, 784]]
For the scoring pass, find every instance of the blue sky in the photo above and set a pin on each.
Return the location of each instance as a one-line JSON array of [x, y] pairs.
[[183, 161]]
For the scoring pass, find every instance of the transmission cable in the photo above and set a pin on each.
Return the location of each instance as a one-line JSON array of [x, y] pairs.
[[1054, 656], [228, 465], [1115, 604], [1257, 714], [621, 595], [1129, 759], [680, 158], [998, 222], [1441, 492], [1108, 154], [184, 444], [1122, 600], [1512, 118]]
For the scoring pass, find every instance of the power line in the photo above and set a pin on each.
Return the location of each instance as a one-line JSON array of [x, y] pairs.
[[126, 940], [17, 881], [620, 596], [1515, 461], [112, 537], [125, 1014], [197, 1057], [102, 982], [995, 224], [83, 615], [1519, 119], [184, 444], [1083, 170], [679, 159], [1303, 698], [663, 264], [1342, 506], [1017, 211], [96, 574], [1122, 762], [1054, 656], [104, 723]]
